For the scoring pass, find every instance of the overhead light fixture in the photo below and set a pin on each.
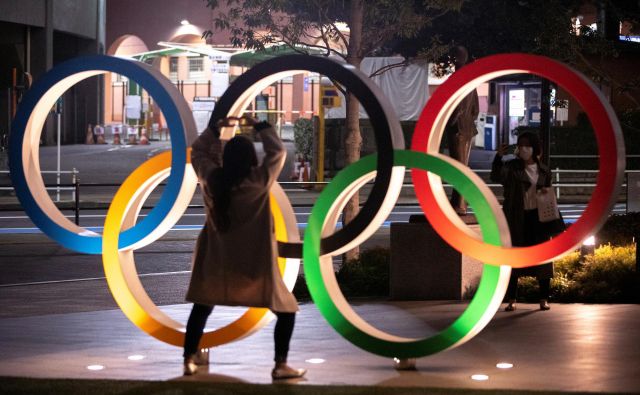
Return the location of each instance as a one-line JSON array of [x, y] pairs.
[[504, 365], [480, 377], [184, 22], [136, 357], [95, 367]]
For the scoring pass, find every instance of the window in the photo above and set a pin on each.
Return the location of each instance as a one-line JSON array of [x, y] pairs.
[[196, 68], [173, 69]]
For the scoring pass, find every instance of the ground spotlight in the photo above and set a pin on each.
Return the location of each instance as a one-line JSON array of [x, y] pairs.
[[315, 360], [588, 246]]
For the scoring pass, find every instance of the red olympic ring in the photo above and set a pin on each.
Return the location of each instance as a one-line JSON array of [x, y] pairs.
[[430, 128]]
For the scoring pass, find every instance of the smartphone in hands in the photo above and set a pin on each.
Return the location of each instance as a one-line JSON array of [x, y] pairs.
[[237, 121]]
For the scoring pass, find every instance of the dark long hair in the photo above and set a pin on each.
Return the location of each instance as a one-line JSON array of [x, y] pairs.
[[238, 158]]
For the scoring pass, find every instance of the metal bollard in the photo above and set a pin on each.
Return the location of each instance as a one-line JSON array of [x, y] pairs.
[[76, 188], [74, 175]]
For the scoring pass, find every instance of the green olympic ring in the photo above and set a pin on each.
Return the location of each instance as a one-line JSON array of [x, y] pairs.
[[326, 293]]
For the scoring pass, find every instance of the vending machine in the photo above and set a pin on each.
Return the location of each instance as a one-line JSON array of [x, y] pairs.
[[490, 140]]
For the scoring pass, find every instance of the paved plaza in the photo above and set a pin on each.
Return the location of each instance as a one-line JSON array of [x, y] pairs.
[[58, 319], [572, 347]]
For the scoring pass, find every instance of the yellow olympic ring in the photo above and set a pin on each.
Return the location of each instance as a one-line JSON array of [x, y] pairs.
[[119, 266]]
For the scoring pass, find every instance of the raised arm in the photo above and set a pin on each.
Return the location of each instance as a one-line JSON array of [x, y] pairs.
[[206, 153], [498, 171], [275, 153]]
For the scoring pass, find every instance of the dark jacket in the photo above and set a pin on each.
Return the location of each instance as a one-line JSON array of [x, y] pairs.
[[514, 179]]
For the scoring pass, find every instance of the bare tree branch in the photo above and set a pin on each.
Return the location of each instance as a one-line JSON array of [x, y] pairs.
[[344, 40], [607, 76], [388, 67]]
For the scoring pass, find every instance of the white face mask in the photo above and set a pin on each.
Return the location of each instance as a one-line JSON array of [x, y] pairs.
[[525, 153]]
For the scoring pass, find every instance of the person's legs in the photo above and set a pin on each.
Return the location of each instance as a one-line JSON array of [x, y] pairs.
[[512, 292], [536, 236], [282, 337], [545, 286], [195, 327], [531, 235], [454, 144]]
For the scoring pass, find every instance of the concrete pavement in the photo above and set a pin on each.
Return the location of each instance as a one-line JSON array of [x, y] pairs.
[[570, 348], [58, 318]]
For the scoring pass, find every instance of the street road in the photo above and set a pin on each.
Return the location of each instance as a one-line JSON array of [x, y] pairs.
[[16, 222], [41, 277]]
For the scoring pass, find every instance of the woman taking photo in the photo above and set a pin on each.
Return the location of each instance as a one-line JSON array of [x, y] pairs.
[[523, 179], [235, 260]]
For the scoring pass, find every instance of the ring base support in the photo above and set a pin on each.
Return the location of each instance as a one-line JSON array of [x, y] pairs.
[[415, 275], [202, 356], [404, 364]]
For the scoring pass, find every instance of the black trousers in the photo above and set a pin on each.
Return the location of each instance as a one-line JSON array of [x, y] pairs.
[[543, 283], [533, 235], [198, 320]]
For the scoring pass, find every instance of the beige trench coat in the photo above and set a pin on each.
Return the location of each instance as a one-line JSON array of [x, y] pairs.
[[239, 267]]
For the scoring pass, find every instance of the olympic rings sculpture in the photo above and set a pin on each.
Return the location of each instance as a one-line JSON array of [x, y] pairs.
[[122, 234]]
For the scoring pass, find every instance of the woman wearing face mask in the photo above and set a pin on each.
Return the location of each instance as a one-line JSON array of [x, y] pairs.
[[523, 178]]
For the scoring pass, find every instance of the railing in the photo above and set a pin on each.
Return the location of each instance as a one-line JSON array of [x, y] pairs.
[[58, 187], [558, 185], [74, 187]]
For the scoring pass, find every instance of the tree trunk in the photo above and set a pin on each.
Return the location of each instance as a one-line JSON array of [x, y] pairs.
[[353, 139]]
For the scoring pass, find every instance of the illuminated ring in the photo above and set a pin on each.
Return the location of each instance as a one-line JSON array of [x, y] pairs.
[[24, 148], [386, 127], [120, 270], [430, 128], [326, 293]]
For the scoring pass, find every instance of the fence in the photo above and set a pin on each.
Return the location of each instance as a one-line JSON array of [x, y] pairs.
[[58, 186], [289, 186]]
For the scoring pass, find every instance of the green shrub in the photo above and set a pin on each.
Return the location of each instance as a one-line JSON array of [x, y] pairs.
[[368, 275], [606, 276], [619, 229], [303, 137], [567, 265]]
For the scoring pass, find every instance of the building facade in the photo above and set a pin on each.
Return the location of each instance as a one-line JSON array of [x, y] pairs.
[[35, 35]]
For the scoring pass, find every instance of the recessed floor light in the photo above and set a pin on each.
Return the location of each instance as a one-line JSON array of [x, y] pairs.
[[95, 367], [504, 365], [480, 377], [315, 360], [135, 357]]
